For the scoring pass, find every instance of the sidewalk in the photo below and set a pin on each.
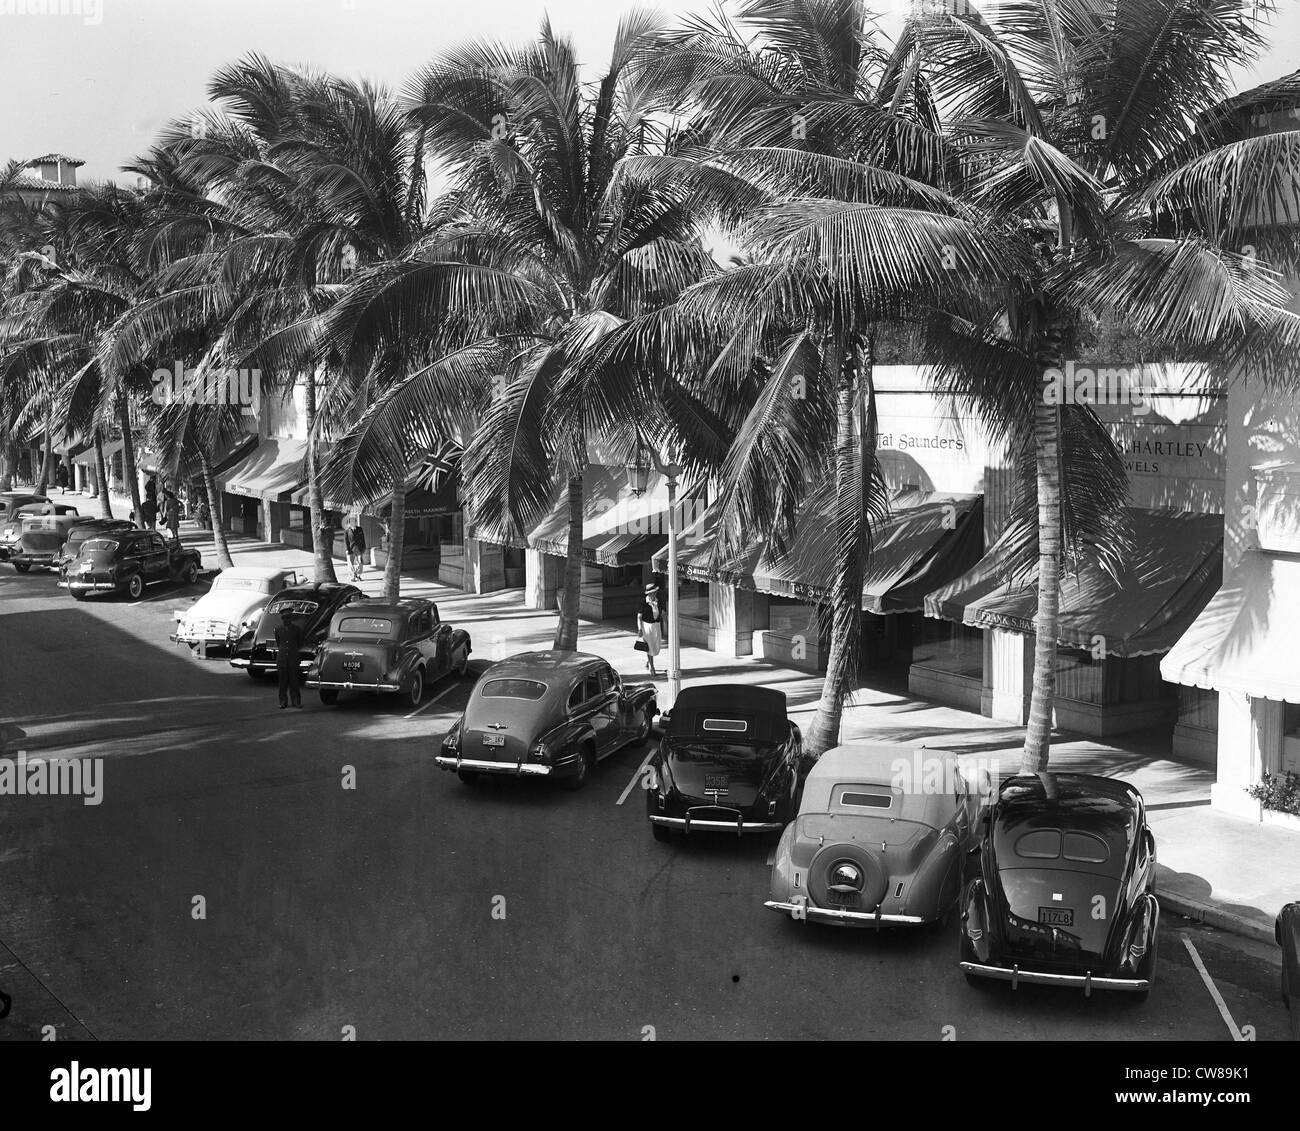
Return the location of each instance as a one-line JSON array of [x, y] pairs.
[[1227, 872]]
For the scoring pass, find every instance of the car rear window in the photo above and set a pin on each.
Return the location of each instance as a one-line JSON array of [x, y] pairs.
[[106, 545], [1041, 844], [729, 726], [368, 626], [251, 584], [866, 800], [1086, 848], [292, 607], [513, 689]]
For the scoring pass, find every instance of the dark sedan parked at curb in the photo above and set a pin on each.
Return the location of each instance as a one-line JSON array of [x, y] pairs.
[[310, 607], [83, 529], [547, 714], [391, 647], [1286, 929], [880, 839], [125, 561], [1065, 894], [729, 760]]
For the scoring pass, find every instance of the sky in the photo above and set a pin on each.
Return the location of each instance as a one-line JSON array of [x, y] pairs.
[[97, 79]]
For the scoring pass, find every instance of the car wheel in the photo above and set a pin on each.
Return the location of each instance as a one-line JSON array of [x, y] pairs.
[[22, 567], [661, 834], [415, 689], [468, 777], [643, 729], [329, 696], [979, 983], [585, 764], [190, 574], [460, 662], [135, 587], [78, 596]]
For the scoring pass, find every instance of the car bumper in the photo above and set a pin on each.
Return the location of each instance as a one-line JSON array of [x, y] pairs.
[[483, 766], [841, 916], [739, 825], [43, 561], [245, 662], [337, 686], [1087, 982], [90, 586]]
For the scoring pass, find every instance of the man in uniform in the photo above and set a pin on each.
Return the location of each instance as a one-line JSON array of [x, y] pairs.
[[288, 643]]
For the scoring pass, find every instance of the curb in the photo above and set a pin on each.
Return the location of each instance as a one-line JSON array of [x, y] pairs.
[[1212, 916]]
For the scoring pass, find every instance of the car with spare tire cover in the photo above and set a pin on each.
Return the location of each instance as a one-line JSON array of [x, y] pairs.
[[549, 715]]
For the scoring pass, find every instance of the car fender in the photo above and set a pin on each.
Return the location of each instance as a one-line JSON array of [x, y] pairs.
[[976, 925], [936, 883], [568, 734], [458, 637], [643, 694], [782, 888]]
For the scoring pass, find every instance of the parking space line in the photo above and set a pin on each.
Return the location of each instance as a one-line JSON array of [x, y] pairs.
[[1214, 990], [431, 702], [636, 777]]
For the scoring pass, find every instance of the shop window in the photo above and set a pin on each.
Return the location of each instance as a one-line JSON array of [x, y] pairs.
[[693, 599], [617, 578], [1291, 720], [792, 618], [945, 644]]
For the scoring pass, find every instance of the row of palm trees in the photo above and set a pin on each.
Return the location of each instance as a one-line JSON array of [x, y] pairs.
[[515, 259]]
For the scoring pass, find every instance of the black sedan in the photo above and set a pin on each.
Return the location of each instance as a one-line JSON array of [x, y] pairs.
[[547, 714], [1065, 894], [125, 561], [729, 760], [310, 607], [85, 528]]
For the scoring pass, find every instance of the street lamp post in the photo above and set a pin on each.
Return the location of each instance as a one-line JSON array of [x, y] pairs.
[[640, 481]]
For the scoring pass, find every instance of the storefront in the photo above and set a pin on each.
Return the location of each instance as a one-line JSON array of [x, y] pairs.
[[257, 491]]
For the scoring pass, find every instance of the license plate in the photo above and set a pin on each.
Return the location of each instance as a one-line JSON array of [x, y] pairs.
[[715, 783], [494, 740], [842, 898], [1056, 916], [87, 569], [351, 665]]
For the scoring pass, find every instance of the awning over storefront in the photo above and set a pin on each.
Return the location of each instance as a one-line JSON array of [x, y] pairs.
[[1245, 639], [1170, 578], [618, 528], [928, 539], [423, 503], [111, 448], [270, 471]]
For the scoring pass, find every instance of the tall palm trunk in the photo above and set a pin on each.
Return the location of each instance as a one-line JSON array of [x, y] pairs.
[[396, 541], [101, 477], [47, 457], [854, 455], [322, 542], [224, 560], [566, 632], [128, 456], [8, 461]]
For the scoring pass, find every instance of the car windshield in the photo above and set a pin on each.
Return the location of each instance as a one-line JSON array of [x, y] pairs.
[[513, 689], [366, 626], [294, 607], [248, 584], [101, 545]]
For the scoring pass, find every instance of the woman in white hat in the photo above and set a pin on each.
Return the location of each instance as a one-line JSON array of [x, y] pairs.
[[647, 625]]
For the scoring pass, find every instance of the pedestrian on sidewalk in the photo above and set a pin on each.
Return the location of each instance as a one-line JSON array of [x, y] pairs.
[[149, 508], [647, 626], [205, 517], [172, 514], [288, 643], [354, 542]]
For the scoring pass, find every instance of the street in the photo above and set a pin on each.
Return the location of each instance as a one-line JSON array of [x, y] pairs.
[[230, 884]]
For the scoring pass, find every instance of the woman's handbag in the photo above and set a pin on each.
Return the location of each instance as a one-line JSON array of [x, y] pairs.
[[641, 646]]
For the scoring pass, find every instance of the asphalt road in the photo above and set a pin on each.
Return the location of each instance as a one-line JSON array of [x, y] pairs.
[[412, 906]]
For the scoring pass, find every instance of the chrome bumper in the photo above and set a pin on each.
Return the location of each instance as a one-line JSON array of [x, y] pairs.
[[839, 915], [737, 826], [1015, 976], [352, 686], [481, 766], [93, 585], [303, 665]]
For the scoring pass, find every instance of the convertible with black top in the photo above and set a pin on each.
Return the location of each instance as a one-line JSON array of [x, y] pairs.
[[729, 761], [547, 714]]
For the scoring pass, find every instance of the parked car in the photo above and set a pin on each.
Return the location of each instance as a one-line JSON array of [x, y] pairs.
[[12, 530], [389, 647], [729, 760], [40, 538], [1065, 894], [83, 529], [229, 609], [547, 714], [13, 501], [310, 606], [880, 838], [125, 561], [1287, 931]]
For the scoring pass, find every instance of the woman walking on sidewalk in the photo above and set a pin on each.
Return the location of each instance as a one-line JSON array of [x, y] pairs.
[[647, 626]]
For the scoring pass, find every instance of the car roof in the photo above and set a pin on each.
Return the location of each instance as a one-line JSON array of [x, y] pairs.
[[403, 606], [538, 665], [260, 573], [313, 589], [729, 712], [907, 772]]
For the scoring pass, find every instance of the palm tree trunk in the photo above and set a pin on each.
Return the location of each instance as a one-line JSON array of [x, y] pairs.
[[47, 457], [854, 455], [128, 456], [101, 477], [566, 631], [322, 541], [396, 541], [8, 461], [224, 560], [1038, 732]]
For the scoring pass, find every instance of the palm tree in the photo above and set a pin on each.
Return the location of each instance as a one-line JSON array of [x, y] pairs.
[[531, 154], [1085, 115]]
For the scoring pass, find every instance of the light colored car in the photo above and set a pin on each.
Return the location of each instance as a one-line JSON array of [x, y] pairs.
[[18, 508], [232, 606], [880, 838], [40, 538]]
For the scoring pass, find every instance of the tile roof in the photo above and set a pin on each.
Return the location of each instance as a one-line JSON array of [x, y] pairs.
[[51, 158]]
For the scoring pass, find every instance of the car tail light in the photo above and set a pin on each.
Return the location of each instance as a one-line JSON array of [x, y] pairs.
[[539, 753], [771, 807]]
